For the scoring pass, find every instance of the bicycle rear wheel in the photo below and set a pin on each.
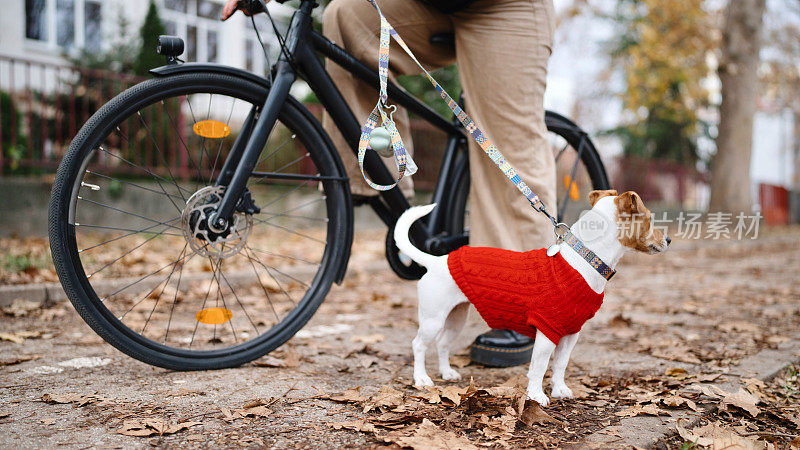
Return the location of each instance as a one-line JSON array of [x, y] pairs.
[[579, 171], [129, 238]]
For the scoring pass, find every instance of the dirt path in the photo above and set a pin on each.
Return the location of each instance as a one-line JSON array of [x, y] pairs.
[[669, 326]]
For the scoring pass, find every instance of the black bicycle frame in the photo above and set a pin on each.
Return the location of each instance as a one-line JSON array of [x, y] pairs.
[[302, 46]]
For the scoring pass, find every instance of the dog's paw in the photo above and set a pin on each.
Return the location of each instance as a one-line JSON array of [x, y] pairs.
[[539, 398], [450, 374], [561, 391], [422, 381]]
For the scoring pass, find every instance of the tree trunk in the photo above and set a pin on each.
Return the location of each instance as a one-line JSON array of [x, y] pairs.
[[730, 170]]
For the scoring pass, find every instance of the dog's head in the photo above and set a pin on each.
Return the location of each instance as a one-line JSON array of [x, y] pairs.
[[634, 221]]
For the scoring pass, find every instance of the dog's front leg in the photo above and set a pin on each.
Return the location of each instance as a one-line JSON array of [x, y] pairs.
[[542, 349], [560, 360]]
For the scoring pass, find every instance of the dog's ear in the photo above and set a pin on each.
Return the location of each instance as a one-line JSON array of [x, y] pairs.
[[594, 196], [630, 203]]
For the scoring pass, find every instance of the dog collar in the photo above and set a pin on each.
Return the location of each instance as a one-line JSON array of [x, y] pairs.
[[567, 237]]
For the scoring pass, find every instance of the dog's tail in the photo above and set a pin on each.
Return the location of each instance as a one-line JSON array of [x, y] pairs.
[[401, 235]]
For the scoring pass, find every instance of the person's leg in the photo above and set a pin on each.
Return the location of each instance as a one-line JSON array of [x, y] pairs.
[[354, 25], [502, 47]]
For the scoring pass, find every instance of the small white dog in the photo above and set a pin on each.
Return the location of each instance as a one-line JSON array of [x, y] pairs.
[[614, 225]]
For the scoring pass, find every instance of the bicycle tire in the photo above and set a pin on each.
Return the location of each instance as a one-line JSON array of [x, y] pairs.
[[69, 266]]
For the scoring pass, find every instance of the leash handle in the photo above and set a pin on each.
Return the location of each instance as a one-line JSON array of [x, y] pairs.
[[405, 165]]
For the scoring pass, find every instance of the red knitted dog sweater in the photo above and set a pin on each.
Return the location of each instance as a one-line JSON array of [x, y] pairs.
[[524, 291]]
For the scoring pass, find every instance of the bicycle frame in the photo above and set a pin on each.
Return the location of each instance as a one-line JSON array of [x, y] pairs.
[[303, 44]]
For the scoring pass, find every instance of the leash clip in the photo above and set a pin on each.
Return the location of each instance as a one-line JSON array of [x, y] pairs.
[[560, 236]]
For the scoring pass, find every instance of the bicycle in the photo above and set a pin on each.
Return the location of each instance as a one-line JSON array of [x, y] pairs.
[[276, 171]]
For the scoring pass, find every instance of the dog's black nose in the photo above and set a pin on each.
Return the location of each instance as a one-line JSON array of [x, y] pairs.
[[668, 240]]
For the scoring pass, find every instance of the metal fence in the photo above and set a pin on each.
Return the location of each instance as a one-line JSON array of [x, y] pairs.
[[43, 105]]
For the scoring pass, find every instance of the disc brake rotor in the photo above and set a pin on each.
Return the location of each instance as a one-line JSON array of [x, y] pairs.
[[203, 241]]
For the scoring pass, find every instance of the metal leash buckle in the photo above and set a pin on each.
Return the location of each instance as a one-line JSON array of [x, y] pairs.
[[555, 248]]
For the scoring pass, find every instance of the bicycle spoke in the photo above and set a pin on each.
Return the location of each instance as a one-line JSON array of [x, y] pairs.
[[125, 212], [267, 267], [224, 305], [180, 137], [174, 301], [161, 154], [149, 172], [285, 194], [169, 277], [283, 144], [275, 279], [122, 229], [221, 141], [561, 152], [144, 278], [203, 141], [129, 234], [123, 255], [572, 174], [203, 306], [144, 169], [310, 202], [297, 233], [289, 164], [238, 301], [252, 260], [103, 227], [292, 258], [151, 290], [130, 183]]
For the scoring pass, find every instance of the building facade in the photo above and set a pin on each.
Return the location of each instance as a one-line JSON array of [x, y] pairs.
[[48, 31]]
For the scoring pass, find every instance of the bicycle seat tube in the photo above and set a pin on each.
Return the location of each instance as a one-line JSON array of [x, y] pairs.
[[284, 78]]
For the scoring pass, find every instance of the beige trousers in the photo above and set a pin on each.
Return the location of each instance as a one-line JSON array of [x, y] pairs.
[[502, 48]]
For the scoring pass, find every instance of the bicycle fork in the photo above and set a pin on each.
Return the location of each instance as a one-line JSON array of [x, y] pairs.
[[244, 154]]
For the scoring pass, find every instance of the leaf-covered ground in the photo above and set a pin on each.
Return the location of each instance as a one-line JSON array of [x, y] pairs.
[[666, 345]]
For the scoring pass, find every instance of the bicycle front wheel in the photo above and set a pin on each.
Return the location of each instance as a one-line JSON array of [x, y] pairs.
[[131, 244]]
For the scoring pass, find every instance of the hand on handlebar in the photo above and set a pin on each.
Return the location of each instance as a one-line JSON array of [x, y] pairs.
[[247, 7]]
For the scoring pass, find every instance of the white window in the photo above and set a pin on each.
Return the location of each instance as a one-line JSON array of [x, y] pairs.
[[64, 24], [197, 22]]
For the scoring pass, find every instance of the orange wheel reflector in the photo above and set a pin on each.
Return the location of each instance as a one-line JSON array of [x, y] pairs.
[[574, 192], [211, 129], [214, 316]]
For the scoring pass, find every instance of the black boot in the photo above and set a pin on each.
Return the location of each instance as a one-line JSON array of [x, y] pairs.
[[501, 348]]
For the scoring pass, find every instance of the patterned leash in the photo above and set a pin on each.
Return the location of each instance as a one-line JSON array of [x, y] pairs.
[[402, 159]]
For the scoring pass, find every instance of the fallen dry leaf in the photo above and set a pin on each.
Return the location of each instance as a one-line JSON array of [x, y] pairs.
[[356, 425], [78, 399], [348, 396], [640, 410], [707, 377], [150, 426], [10, 361], [674, 401], [368, 339], [453, 393], [741, 399], [533, 412], [715, 436], [429, 394], [428, 436], [19, 337], [460, 361], [387, 397], [21, 307], [290, 360]]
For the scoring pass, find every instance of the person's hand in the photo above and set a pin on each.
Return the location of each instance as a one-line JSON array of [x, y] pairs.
[[232, 5]]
